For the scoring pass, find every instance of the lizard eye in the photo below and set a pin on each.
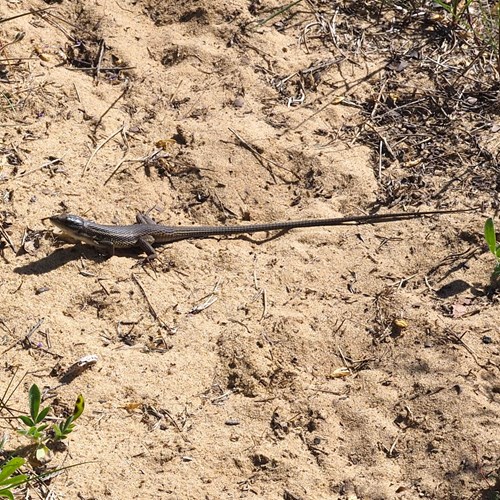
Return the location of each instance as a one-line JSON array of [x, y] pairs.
[[74, 221]]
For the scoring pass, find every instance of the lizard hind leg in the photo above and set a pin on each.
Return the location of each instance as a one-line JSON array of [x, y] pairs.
[[146, 244]]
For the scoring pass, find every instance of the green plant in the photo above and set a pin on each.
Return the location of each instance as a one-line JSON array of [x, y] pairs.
[[491, 239], [479, 17], [41, 432], [44, 436], [489, 29], [8, 481], [456, 8]]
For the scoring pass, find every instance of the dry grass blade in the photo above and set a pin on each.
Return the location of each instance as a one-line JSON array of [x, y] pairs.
[[102, 144], [30, 13], [279, 11]]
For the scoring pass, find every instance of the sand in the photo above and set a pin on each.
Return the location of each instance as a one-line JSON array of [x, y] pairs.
[[233, 368]]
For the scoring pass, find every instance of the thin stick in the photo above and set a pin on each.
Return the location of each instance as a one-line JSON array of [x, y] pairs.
[[344, 360], [336, 100], [391, 450], [19, 36], [111, 106], [99, 147], [264, 303], [26, 339], [6, 237], [48, 19], [16, 124], [136, 160], [100, 55], [150, 306], [41, 167], [262, 158], [111, 68], [255, 153], [166, 413], [175, 91], [380, 161], [208, 300], [119, 164], [4, 59], [77, 93], [459, 340]]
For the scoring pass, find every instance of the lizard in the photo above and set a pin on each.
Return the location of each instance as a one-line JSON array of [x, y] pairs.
[[146, 232]]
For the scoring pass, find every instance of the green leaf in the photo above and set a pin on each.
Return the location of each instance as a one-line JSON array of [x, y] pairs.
[[490, 236], [42, 414], [62, 431], [67, 424], [26, 420], [15, 480], [496, 271], [79, 407], [6, 494], [10, 467], [443, 5], [33, 432], [34, 400]]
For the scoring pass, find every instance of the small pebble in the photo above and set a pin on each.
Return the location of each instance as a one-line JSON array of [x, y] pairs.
[[232, 422], [239, 102], [487, 340]]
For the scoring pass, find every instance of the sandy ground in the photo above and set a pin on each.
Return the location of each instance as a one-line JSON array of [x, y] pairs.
[[217, 367]]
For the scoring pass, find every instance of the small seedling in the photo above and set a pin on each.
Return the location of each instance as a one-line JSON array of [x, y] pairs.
[[62, 431], [491, 239], [43, 433], [35, 422]]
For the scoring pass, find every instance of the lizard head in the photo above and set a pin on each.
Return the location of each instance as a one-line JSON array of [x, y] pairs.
[[69, 224]]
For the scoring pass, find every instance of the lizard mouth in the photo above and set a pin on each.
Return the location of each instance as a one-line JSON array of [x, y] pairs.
[[57, 220]]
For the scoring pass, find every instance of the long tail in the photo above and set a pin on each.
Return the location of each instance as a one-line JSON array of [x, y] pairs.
[[339, 221]]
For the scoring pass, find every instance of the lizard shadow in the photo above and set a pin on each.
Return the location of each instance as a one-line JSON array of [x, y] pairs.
[[57, 259], [250, 239], [62, 256]]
